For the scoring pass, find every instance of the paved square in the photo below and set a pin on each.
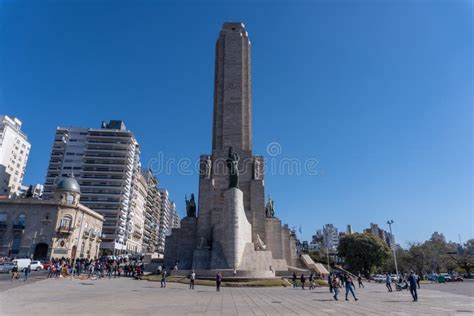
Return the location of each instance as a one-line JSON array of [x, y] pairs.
[[127, 297]]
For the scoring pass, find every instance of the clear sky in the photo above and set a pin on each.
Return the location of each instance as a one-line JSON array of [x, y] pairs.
[[379, 92]]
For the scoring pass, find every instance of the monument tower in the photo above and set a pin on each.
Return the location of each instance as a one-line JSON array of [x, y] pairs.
[[234, 229]]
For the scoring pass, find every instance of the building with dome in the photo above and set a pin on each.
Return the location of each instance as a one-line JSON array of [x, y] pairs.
[[42, 229]]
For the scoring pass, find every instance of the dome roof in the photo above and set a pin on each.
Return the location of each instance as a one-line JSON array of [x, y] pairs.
[[69, 184]]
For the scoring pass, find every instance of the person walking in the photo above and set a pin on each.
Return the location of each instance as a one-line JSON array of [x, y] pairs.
[[163, 278], [14, 272], [311, 281], [388, 281], [336, 285], [330, 281], [294, 279], [218, 281], [50, 271], [359, 280], [412, 282], [27, 271], [418, 279], [192, 277], [303, 280], [349, 287]]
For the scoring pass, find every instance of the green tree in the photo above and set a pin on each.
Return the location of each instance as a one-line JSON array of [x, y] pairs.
[[363, 252], [417, 259], [464, 257], [389, 264]]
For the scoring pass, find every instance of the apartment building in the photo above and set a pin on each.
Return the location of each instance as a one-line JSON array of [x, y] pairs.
[[105, 162], [14, 151]]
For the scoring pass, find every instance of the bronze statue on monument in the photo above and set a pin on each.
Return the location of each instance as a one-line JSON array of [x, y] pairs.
[[190, 206], [233, 165], [270, 208]]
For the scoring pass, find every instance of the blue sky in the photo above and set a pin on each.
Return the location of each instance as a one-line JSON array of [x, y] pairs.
[[379, 92]]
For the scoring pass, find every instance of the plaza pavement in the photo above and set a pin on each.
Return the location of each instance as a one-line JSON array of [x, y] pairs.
[[132, 297]]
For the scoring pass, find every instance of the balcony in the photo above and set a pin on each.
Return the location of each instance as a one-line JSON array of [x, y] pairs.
[[18, 227], [86, 234], [65, 230]]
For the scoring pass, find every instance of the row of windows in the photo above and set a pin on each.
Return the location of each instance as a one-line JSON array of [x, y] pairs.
[[21, 219]]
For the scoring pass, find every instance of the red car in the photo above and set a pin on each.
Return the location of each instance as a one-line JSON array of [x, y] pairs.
[[46, 264]]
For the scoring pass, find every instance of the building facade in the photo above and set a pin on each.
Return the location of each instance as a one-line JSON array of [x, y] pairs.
[[104, 161], [326, 238], [175, 218], [42, 229], [136, 214], [152, 214], [14, 151], [165, 220], [35, 191], [376, 231]]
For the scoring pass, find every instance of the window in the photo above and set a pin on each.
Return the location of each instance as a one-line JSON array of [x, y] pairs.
[[21, 219], [70, 199], [3, 219], [16, 245], [66, 222]]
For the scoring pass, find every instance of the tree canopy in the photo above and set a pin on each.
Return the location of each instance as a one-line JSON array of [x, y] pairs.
[[363, 252]]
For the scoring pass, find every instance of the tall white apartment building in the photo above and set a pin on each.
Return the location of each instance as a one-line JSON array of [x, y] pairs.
[[152, 214], [169, 219], [136, 212], [175, 219], [14, 151], [330, 236], [104, 161], [164, 228]]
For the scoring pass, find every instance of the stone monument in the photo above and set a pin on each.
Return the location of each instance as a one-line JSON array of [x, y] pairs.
[[233, 228]]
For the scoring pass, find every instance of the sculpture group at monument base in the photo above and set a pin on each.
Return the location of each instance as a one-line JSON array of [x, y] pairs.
[[231, 247]]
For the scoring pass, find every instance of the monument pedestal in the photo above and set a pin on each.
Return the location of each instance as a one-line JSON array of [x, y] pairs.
[[233, 233]]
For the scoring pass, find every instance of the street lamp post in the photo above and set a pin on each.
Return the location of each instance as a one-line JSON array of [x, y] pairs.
[[390, 222]]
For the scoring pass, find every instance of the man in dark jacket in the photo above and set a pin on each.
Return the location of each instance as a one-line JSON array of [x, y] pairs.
[[412, 281]]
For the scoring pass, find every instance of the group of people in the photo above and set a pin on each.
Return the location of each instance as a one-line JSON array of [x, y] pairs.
[[191, 276], [99, 268], [338, 281], [16, 273], [302, 278]]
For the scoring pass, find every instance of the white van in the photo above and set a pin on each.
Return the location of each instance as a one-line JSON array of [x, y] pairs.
[[22, 263]]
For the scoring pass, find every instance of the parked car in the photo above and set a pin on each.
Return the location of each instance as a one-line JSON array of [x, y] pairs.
[[46, 264], [6, 267], [22, 263], [457, 278], [432, 277], [379, 278], [36, 266], [446, 277]]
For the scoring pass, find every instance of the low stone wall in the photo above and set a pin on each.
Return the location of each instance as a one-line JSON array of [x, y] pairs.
[[211, 274]]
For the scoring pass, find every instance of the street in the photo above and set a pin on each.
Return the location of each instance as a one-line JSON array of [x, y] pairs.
[[126, 296], [33, 277]]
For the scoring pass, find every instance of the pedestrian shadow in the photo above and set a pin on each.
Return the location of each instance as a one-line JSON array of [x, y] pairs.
[[392, 301], [323, 300]]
